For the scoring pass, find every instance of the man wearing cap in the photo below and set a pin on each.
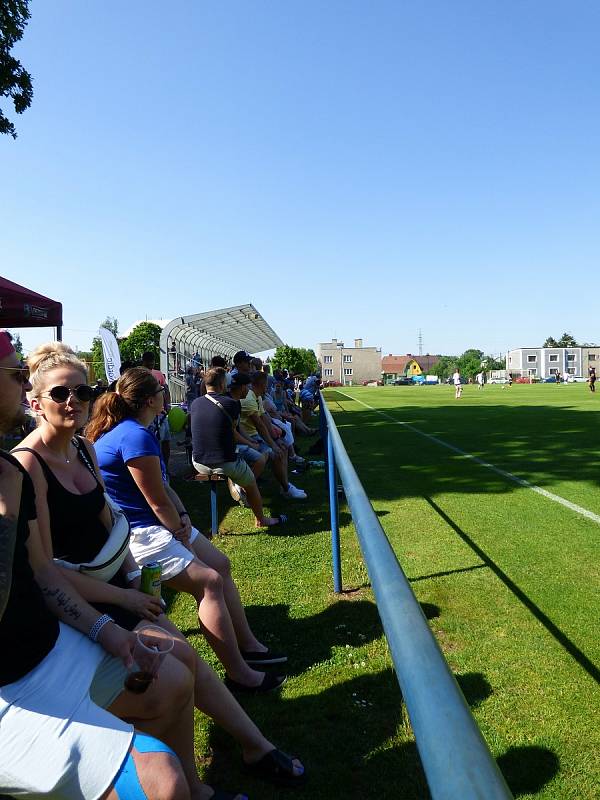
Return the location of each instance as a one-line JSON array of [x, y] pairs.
[[214, 419], [241, 363]]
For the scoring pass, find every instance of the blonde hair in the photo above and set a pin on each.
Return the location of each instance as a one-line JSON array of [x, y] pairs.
[[47, 357]]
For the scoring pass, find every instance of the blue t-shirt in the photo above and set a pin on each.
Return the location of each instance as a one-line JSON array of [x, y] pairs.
[[124, 442]]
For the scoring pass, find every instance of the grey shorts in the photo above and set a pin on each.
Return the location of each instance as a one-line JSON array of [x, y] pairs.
[[238, 471], [249, 454]]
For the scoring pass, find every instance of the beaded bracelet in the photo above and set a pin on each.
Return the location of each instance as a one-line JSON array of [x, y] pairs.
[[98, 625]]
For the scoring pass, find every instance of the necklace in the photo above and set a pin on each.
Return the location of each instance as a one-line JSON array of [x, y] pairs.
[[67, 460]]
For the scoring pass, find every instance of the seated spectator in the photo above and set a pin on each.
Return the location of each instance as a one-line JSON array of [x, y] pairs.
[[270, 379], [308, 397], [241, 363], [191, 386], [56, 741], [215, 418], [258, 430], [160, 424], [246, 448], [161, 530]]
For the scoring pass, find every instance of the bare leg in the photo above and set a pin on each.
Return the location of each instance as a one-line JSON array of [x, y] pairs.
[[279, 466], [206, 585], [214, 558], [259, 466], [160, 776], [255, 502]]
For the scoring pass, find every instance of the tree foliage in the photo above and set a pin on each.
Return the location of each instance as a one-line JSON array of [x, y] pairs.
[[143, 338], [15, 81], [297, 360], [566, 340], [469, 363]]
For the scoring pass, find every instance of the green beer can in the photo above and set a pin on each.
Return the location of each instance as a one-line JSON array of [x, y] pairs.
[[151, 578]]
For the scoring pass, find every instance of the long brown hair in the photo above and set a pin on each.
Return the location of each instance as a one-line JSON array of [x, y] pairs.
[[133, 388]]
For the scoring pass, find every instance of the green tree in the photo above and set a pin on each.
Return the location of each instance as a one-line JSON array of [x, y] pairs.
[[444, 367], [567, 340], [297, 360], [143, 338], [469, 363], [15, 81], [17, 344], [97, 356], [550, 342]]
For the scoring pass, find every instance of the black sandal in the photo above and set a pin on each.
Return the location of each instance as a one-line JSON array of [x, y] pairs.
[[278, 768], [269, 683]]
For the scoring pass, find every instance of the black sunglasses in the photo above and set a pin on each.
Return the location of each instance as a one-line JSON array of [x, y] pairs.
[[20, 374], [60, 394]]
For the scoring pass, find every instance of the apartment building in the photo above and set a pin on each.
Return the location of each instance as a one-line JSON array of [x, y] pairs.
[[348, 365], [543, 362]]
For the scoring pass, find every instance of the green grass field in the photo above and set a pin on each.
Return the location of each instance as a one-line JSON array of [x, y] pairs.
[[507, 577]]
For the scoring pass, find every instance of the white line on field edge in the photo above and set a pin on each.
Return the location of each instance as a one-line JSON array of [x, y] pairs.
[[521, 481]]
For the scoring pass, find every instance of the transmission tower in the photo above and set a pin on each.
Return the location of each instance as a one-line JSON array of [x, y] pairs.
[[420, 342]]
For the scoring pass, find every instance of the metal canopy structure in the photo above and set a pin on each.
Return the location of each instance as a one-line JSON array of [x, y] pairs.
[[222, 332]]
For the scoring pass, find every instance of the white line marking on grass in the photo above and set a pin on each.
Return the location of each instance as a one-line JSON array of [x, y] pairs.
[[521, 481]]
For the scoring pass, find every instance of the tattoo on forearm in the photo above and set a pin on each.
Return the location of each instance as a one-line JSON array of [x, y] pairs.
[[8, 537], [57, 597]]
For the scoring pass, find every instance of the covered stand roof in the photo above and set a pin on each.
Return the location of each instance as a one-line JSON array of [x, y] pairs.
[[222, 332], [22, 308]]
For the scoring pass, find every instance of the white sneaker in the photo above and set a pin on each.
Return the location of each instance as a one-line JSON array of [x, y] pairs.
[[294, 494], [233, 490]]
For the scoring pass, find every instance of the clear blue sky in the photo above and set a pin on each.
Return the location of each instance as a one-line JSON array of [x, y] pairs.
[[354, 169]]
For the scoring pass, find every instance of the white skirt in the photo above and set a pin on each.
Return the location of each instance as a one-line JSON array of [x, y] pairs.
[[156, 543], [54, 741]]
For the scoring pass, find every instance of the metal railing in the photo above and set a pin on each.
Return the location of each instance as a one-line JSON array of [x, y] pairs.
[[454, 754]]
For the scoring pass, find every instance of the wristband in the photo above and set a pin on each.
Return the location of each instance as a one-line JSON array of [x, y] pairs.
[[183, 514], [98, 625], [131, 576]]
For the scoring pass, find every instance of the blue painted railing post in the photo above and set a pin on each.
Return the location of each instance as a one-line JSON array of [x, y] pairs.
[[214, 519], [335, 522]]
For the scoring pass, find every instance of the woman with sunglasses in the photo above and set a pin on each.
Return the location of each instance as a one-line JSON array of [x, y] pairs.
[[74, 521]]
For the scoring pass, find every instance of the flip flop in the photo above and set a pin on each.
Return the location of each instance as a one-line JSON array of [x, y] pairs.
[[281, 520], [269, 683], [278, 768]]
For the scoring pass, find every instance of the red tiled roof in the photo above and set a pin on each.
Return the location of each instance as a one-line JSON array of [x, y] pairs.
[[399, 363]]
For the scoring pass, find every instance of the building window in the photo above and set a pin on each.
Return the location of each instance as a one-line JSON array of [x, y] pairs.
[[327, 359], [554, 371], [553, 358], [531, 359], [347, 370], [347, 359], [532, 371], [570, 356], [328, 373], [592, 356], [571, 370]]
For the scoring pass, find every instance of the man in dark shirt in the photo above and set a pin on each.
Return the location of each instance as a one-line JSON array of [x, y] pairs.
[[214, 419]]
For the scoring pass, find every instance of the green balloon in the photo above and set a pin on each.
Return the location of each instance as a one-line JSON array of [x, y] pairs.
[[177, 418]]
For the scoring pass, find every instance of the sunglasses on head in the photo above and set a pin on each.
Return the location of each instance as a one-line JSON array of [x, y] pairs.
[[60, 394], [20, 374]]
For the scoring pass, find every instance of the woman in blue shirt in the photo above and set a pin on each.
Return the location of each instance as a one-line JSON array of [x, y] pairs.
[[130, 462]]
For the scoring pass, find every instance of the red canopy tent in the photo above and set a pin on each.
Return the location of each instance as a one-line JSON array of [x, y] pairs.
[[22, 308]]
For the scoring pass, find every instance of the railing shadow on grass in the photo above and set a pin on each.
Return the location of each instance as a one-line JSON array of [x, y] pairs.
[[455, 757], [585, 663]]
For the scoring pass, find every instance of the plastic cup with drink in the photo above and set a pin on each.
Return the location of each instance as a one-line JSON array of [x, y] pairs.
[[151, 648]]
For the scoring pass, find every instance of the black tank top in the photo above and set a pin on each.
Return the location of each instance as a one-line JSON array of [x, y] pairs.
[[28, 629], [77, 531]]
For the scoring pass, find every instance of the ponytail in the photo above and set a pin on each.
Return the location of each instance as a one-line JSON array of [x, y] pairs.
[[109, 410]]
